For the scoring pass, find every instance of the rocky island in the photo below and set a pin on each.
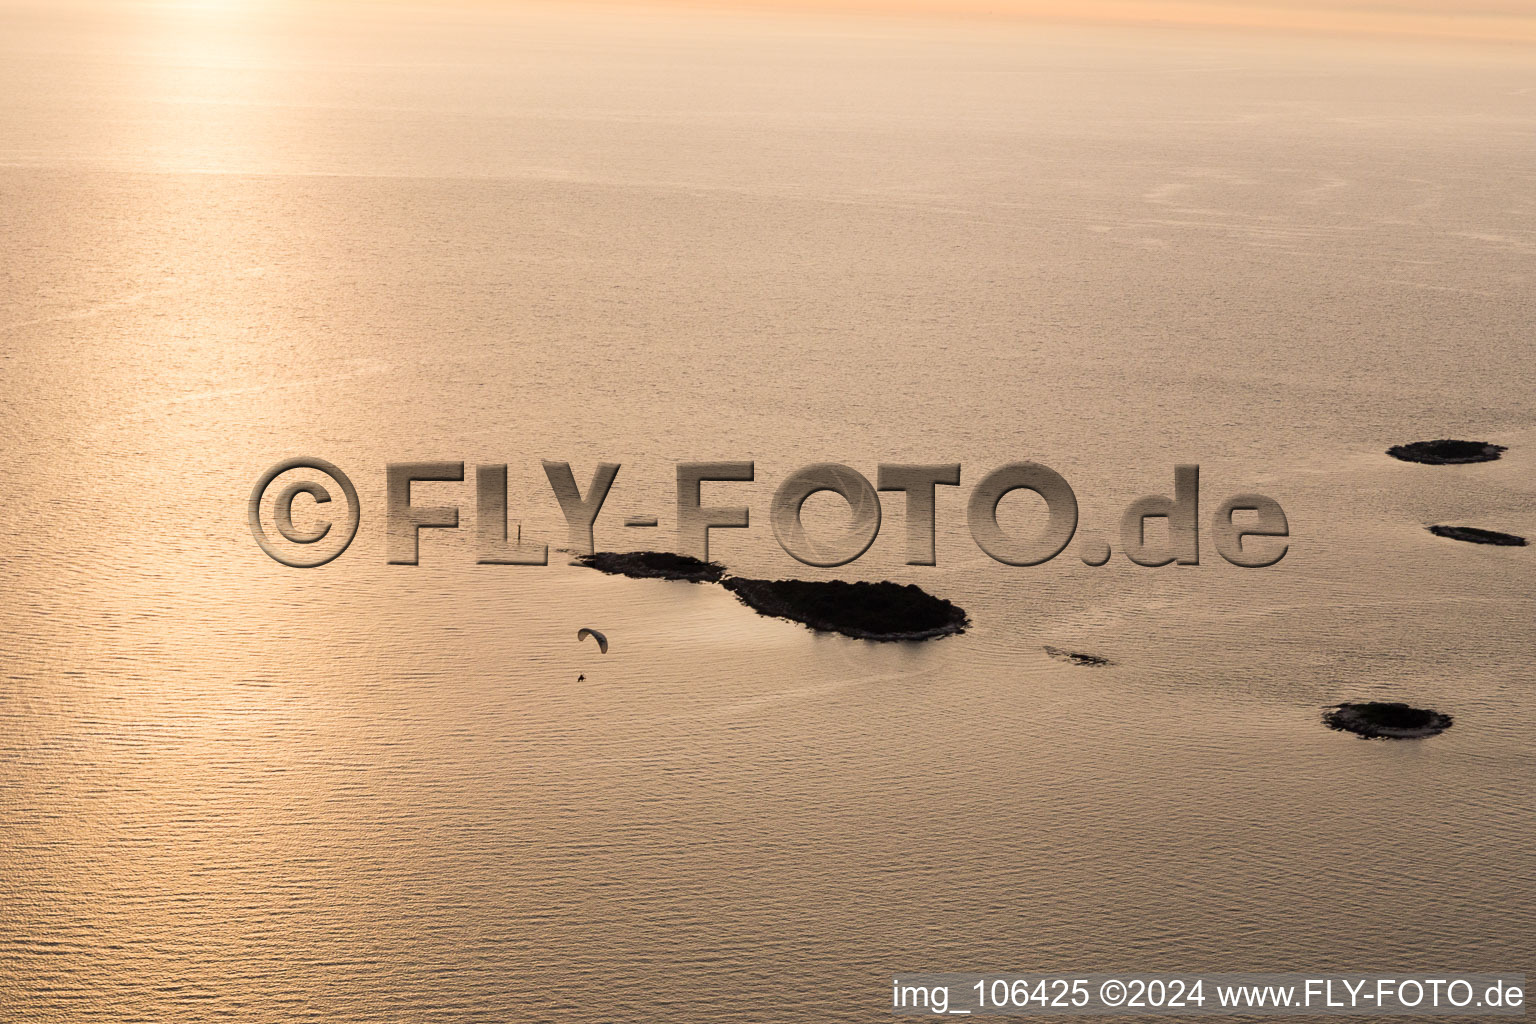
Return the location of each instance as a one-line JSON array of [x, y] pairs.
[[865, 611], [653, 565], [1386, 720], [1476, 535], [1446, 452]]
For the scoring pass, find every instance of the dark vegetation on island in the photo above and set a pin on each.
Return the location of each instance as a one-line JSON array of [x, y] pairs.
[[1386, 720], [1476, 535], [654, 565], [865, 611], [1077, 657], [1446, 452]]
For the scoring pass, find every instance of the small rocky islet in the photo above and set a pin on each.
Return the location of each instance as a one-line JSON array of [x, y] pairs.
[[1447, 452], [1078, 657], [653, 565], [883, 611], [1477, 535], [1388, 720]]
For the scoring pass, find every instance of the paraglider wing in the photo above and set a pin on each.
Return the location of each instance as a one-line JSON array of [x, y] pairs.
[[602, 641]]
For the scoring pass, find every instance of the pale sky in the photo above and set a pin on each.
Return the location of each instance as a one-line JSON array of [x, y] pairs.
[[1490, 20]]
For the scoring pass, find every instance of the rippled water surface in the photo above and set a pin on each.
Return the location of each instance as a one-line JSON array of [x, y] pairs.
[[364, 792]]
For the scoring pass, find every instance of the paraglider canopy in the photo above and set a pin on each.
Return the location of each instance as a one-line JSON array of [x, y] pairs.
[[602, 641]]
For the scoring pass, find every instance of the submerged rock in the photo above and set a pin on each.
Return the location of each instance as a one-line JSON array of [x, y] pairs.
[[1386, 720], [1077, 657], [1475, 535], [1446, 452], [653, 565], [865, 611]]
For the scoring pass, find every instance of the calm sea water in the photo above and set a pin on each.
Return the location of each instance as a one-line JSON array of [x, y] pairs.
[[237, 233]]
